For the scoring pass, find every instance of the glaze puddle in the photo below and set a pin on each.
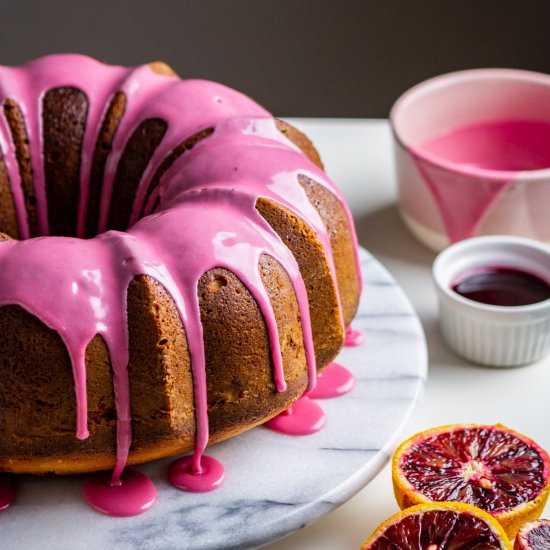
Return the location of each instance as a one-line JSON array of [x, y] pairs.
[[134, 494], [503, 146], [7, 493], [334, 381], [353, 337], [304, 417], [184, 475]]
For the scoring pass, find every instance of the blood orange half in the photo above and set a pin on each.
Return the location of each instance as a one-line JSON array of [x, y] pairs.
[[491, 467], [434, 526], [534, 535]]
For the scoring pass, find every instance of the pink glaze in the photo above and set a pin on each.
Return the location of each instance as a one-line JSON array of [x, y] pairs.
[[506, 145], [7, 493], [133, 494], [183, 475], [353, 337], [334, 381], [206, 218], [468, 168], [304, 417]]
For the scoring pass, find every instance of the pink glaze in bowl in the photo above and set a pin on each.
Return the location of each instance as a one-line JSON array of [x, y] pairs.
[[443, 197]]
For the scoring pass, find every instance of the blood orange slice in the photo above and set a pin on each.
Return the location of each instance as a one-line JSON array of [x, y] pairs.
[[534, 535], [434, 526], [491, 467]]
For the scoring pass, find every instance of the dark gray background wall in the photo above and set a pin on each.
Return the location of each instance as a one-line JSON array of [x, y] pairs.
[[296, 57]]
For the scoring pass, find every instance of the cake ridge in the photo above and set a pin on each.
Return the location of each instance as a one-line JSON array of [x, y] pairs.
[[145, 191], [276, 178], [14, 176], [90, 195]]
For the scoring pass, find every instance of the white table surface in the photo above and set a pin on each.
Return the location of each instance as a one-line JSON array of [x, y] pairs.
[[358, 157]]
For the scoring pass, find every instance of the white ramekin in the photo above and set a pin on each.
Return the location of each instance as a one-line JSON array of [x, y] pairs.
[[486, 334]]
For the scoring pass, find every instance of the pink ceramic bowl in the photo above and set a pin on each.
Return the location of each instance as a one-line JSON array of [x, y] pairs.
[[472, 152]]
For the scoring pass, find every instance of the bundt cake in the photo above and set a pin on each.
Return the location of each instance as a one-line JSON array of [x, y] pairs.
[[174, 265]]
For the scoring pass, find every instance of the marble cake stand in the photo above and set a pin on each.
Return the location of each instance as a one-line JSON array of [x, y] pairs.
[[275, 484]]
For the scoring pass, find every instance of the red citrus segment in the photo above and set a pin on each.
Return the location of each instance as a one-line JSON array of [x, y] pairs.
[[485, 466], [471, 532], [452, 526], [534, 535], [405, 533], [445, 529]]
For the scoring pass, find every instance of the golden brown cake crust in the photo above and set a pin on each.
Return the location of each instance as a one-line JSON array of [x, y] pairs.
[[103, 147], [328, 334], [135, 158], [64, 113], [159, 67], [341, 243], [301, 141], [241, 390], [183, 147], [18, 131], [8, 217]]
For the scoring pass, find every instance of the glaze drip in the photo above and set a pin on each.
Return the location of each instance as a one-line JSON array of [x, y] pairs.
[[7, 493], [209, 191]]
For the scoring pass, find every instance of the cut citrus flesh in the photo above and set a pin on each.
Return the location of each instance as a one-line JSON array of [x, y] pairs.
[[534, 535], [438, 526], [491, 467]]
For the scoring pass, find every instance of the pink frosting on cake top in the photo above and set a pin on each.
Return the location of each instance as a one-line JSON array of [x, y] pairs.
[[206, 218]]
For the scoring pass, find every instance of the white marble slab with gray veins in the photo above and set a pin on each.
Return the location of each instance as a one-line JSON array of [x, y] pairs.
[[275, 484]]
